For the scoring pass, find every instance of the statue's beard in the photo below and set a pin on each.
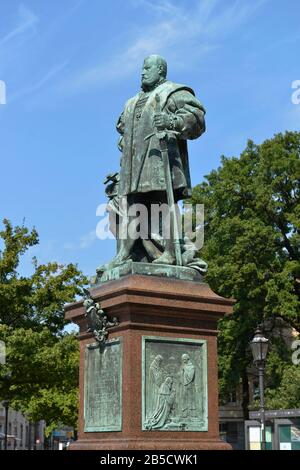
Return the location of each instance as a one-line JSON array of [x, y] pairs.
[[147, 86], [151, 86]]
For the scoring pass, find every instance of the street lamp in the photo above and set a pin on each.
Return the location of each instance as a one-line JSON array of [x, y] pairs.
[[259, 346], [6, 406]]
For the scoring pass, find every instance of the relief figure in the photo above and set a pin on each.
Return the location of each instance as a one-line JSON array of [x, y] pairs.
[[164, 405], [156, 376], [187, 387]]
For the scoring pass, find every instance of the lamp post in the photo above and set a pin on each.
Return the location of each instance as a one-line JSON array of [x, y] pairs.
[[6, 406], [259, 346], [5, 380]]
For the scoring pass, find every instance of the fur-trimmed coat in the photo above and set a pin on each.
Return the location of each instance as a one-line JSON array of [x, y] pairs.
[[142, 168]]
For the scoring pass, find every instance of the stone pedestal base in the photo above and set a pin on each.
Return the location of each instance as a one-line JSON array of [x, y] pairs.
[[150, 444], [182, 273], [167, 310]]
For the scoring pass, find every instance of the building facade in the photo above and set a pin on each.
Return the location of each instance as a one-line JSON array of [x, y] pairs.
[[21, 434]]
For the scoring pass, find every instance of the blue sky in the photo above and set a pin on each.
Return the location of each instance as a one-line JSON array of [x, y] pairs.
[[70, 65]]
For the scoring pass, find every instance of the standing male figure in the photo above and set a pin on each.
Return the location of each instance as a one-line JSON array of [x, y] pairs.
[[142, 174], [156, 378], [187, 384]]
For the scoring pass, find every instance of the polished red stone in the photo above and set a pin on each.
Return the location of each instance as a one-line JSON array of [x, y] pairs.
[[149, 305]]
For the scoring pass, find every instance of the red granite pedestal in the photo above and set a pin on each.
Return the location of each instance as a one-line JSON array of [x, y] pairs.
[[153, 306]]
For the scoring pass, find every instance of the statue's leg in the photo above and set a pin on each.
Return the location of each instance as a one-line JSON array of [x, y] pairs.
[[168, 256], [133, 214], [151, 249], [119, 221], [124, 244]]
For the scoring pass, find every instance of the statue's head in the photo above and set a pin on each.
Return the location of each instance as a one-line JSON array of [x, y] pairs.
[[158, 359], [185, 358], [169, 381], [154, 71]]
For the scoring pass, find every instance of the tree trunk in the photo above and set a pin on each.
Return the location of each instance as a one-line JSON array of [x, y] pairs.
[[245, 395]]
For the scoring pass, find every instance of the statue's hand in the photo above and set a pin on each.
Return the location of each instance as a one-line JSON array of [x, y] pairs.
[[162, 121]]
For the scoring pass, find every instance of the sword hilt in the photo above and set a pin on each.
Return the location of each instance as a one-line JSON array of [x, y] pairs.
[[158, 106], [161, 134]]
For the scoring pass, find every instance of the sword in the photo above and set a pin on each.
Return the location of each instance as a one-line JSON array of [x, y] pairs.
[[163, 137]]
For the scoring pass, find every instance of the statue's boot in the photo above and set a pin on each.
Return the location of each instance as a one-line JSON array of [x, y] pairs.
[[151, 249], [165, 258], [168, 256], [116, 261], [122, 256], [119, 259]]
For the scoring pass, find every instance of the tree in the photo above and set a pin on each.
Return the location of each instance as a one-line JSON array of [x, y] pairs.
[[35, 301], [42, 359], [287, 394], [44, 375], [252, 245]]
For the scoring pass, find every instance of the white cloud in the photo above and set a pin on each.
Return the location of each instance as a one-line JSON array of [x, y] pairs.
[[26, 22], [234, 15], [55, 70], [159, 6], [84, 242], [174, 29], [87, 240]]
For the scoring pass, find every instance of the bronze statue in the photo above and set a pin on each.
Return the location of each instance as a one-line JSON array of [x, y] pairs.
[[154, 128]]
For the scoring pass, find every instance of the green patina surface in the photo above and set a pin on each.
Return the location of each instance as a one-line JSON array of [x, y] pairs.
[[103, 387], [154, 128], [174, 384], [130, 267]]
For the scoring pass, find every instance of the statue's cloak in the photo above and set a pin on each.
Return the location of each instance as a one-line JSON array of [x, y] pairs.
[[142, 167]]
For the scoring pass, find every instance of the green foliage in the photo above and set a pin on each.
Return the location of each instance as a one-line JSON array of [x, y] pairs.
[[252, 245], [43, 360], [35, 301], [279, 357], [287, 395], [44, 377]]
